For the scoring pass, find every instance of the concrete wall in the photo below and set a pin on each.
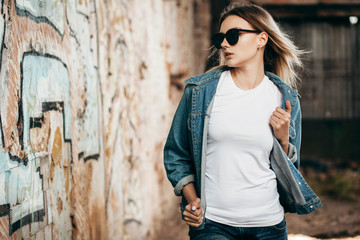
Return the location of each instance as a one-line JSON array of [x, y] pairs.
[[87, 92]]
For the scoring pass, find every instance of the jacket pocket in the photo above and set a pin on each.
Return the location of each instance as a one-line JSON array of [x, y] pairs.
[[280, 227]]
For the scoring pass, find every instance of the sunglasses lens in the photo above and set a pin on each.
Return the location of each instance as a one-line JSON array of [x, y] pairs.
[[217, 39], [232, 36]]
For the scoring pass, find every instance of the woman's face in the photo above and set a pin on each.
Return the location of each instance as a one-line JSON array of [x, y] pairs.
[[246, 49]]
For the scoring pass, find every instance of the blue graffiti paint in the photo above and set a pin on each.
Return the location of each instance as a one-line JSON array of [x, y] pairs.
[[45, 87], [50, 11], [20, 189], [45, 79], [88, 126]]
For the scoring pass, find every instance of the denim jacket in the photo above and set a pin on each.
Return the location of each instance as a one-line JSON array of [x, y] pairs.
[[185, 147]]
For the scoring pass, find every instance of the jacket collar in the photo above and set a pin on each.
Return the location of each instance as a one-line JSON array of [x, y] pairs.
[[279, 82], [288, 92], [216, 73], [208, 76]]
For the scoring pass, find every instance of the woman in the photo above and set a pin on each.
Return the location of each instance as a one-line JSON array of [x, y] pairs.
[[233, 149]]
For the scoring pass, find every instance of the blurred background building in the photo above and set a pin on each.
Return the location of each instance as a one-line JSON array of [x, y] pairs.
[[88, 89], [330, 90]]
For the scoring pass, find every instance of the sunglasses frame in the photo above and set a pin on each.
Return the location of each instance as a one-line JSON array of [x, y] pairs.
[[218, 38]]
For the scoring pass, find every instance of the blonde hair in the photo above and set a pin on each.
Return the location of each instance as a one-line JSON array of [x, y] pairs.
[[281, 56]]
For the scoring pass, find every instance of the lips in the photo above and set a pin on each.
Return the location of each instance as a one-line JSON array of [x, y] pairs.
[[228, 54]]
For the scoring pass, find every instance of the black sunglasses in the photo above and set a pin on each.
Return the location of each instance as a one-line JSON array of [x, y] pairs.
[[232, 36]]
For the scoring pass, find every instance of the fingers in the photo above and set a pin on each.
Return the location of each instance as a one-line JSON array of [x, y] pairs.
[[282, 120], [193, 213], [193, 222], [193, 205], [281, 116], [281, 113], [277, 124], [286, 111], [274, 122], [288, 106], [193, 218]]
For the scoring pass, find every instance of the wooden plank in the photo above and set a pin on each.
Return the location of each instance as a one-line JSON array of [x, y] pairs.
[[330, 84], [306, 2], [313, 11]]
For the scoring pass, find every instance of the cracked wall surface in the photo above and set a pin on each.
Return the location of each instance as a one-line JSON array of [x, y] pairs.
[[87, 92]]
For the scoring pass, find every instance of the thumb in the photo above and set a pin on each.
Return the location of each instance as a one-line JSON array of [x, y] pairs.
[[195, 204], [288, 106]]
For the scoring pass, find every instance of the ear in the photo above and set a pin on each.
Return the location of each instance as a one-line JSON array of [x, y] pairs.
[[262, 39]]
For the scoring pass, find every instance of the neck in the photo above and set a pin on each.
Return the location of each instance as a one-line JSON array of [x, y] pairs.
[[248, 77]]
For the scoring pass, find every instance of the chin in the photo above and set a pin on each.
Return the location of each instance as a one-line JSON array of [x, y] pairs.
[[234, 64], [231, 64]]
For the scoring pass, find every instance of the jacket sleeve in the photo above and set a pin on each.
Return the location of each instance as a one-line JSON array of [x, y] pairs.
[[177, 153], [295, 143]]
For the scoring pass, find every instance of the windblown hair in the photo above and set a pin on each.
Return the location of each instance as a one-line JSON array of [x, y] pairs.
[[281, 56]]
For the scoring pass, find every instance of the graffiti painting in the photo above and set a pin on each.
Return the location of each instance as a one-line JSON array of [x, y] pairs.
[[49, 52]]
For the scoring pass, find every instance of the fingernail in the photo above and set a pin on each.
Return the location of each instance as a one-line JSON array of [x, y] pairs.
[[193, 208]]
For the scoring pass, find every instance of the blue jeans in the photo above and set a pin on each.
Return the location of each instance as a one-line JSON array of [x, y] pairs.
[[218, 231]]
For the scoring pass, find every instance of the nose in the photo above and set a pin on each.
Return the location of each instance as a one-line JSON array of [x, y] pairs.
[[224, 44]]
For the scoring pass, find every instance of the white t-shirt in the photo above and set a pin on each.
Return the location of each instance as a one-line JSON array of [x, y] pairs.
[[240, 187]]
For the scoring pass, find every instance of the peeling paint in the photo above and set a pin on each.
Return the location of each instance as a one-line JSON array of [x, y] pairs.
[[84, 110], [60, 205], [56, 154], [53, 10]]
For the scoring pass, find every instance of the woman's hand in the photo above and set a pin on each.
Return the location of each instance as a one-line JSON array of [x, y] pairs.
[[280, 122], [193, 213]]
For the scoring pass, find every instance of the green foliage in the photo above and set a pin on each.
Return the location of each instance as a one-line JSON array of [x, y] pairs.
[[339, 184]]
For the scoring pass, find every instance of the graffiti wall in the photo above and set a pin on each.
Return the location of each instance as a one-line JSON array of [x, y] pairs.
[[85, 106], [49, 113]]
